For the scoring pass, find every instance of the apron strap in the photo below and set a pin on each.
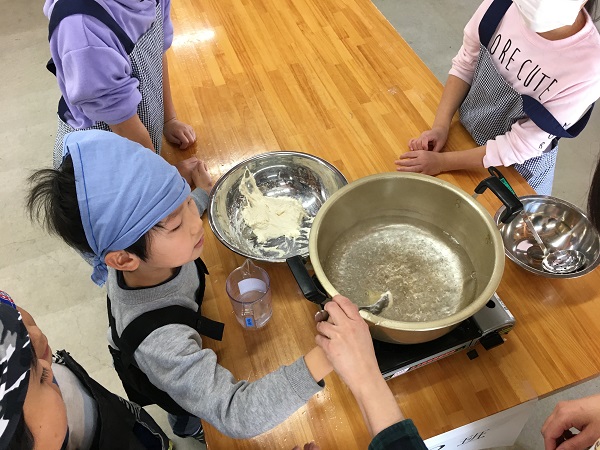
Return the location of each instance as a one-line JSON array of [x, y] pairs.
[[491, 19], [66, 8], [546, 121]]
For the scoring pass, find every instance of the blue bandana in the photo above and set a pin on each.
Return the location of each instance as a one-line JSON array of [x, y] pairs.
[[123, 190], [15, 365]]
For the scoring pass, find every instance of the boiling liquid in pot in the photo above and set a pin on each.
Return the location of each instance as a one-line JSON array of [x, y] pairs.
[[427, 271]]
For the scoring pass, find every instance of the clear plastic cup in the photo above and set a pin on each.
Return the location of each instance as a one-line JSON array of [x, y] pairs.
[[249, 290]]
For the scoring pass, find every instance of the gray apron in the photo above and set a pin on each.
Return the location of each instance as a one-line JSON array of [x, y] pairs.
[[146, 64], [492, 106]]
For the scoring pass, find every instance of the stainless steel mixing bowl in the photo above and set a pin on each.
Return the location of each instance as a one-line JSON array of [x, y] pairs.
[[561, 226], [305, 177]]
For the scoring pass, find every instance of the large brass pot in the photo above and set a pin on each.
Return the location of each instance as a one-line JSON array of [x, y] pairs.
[[368, 226]]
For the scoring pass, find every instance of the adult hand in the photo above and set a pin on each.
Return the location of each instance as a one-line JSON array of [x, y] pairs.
[[582, 414], [186, 167], [201, 177], [346, 341], [308, 446], [433, 140], [420, 161], [179, 133]]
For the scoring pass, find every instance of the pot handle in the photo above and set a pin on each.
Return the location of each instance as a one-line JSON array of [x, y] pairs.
[[504, 192], [307, 285]]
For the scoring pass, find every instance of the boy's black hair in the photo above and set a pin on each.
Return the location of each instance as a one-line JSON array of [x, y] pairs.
[[52, 202]]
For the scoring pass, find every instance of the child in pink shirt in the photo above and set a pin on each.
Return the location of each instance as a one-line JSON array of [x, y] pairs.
[[527, 74]]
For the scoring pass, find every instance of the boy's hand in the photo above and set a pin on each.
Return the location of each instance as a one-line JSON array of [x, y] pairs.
[[420, 161], [179, 133], [187, 167], [433, 140], [201, 177]]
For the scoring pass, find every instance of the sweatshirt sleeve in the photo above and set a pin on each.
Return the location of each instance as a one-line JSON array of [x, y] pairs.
[[201, 198], [93, 70], [463, 64], [173, 359]]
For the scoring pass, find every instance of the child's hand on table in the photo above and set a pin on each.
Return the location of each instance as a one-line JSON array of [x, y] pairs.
[[187, 167], [420, 161], [433, 140], [179, 133], [201, 177]]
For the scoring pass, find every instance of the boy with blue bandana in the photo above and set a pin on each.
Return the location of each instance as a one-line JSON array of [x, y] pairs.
[[135, 214]]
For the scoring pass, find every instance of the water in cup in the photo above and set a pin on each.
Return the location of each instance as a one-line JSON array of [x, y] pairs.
[[249, 290]]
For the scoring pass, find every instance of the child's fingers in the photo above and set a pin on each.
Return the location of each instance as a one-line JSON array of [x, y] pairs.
[[411, 169], [192, 134]]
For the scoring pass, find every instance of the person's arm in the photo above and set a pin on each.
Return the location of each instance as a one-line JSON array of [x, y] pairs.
[[317, 363], [134, 130], [346, 341], [175, 131], [174, 361], [582, 414], [453, 95]]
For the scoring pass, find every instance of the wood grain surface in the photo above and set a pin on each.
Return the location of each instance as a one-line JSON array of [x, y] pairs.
[[334, 79]]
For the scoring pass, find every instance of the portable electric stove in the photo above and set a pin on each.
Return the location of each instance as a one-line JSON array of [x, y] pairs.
[[486, 327]]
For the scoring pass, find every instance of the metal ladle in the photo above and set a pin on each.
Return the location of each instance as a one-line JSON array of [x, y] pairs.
[[557, 261]]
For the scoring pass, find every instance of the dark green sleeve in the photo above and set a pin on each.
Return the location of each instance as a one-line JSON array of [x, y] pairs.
[[402, 435]]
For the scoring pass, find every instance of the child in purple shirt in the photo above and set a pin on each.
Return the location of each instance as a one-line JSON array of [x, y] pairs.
[[110, 64]]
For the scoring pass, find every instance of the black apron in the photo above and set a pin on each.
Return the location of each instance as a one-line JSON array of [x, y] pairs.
[[135, 382], [492, 106], [120, 423], [146, 65]]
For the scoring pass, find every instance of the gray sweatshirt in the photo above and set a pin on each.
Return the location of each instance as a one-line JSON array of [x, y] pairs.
[[173, 359]]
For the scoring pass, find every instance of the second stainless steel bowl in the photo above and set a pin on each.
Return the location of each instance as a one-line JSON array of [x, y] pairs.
[[561, 226]]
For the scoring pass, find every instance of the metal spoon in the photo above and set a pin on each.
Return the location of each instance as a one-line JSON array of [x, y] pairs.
[[383, 302]]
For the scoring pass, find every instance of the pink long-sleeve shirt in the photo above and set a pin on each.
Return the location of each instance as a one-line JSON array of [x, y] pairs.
[[563, 75]]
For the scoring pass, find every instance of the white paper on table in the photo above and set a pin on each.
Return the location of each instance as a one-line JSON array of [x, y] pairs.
[[498, 430]]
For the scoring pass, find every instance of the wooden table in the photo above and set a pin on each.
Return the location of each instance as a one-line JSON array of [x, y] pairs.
[[334, 79]]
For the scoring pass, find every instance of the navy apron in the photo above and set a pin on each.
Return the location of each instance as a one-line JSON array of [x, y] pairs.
[[492, 106], [146, 57]]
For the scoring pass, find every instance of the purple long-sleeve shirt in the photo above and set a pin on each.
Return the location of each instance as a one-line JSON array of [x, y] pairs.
[[92, 68]]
